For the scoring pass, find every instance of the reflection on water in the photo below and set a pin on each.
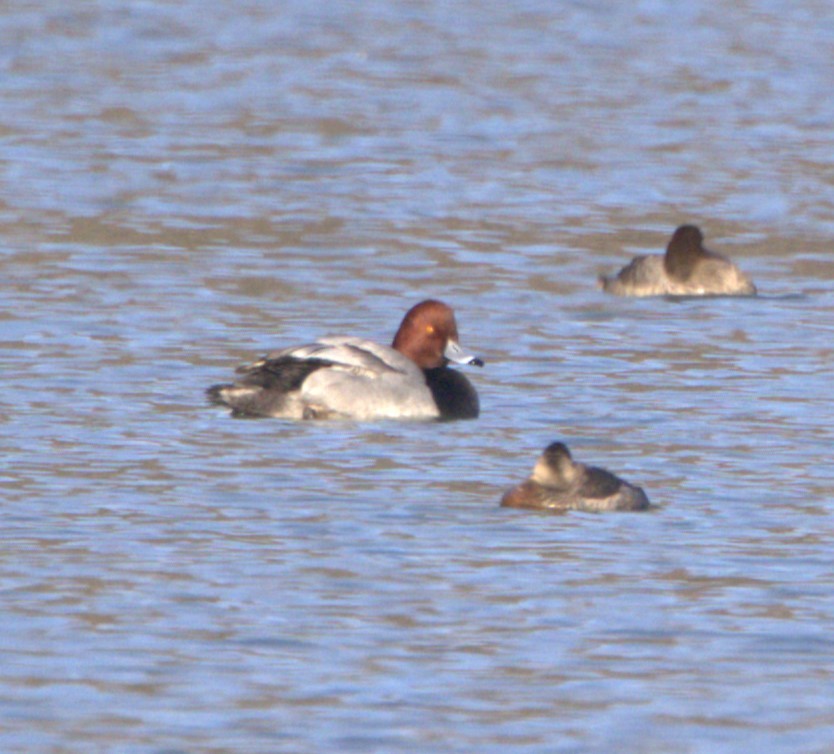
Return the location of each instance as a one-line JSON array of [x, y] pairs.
[[183, 191]]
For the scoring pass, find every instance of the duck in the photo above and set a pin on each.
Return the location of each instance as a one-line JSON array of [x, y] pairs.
[[354, 378], [686, 269], [558, 483]]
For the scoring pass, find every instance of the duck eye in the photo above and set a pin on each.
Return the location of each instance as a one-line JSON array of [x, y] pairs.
[[430, 329]]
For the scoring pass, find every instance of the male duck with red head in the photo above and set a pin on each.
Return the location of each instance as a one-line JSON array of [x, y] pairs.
[[353, 378]]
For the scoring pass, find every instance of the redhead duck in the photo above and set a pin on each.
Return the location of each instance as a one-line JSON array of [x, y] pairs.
[[352, 378], [559, 483], [687, 269]]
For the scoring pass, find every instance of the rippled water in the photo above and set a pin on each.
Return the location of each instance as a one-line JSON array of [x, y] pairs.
[[184, 189]]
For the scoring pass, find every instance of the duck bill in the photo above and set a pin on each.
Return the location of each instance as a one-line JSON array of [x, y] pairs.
[[454, 353]]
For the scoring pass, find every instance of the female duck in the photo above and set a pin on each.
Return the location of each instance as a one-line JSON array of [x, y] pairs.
[[352, 378], [687, 269], [559, 483]]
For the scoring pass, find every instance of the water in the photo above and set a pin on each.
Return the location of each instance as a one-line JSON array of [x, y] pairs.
[[183, 190]]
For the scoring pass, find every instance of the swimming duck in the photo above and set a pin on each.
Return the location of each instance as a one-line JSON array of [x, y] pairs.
[[353, 378], [559, 483], [686, 269]]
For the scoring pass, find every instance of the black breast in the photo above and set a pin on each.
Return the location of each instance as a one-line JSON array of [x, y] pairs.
[[453, 393]]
